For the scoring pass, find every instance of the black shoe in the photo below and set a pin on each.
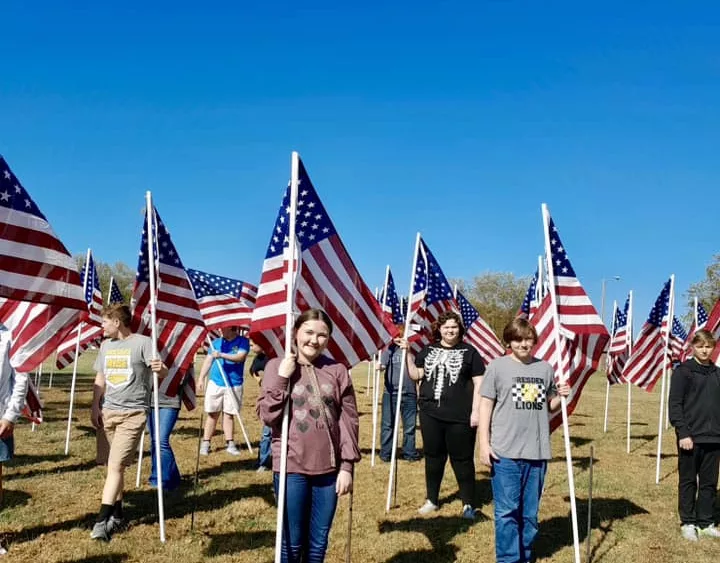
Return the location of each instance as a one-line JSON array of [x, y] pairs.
[[385, 459], [411, 458]]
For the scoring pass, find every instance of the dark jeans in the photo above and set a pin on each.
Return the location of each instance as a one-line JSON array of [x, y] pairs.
[[517, 485], [408, 413], [310, 502], [697, 479], [457, 440], [264, 449], [170, 471]]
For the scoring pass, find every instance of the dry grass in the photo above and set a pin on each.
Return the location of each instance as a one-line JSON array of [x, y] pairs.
[[51, 499]]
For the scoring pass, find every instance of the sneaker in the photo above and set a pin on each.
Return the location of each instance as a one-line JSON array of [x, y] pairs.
[[384, 459], [205, 448], [412, 458], [232, 448], [689, 532], [262, 469], [428, 507], [3, 551], [468, 512], [100, 531], [710, 532], [115, 524]]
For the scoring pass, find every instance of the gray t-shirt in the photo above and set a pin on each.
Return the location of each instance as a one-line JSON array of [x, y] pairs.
[[520, 427], [128, 377], [391, 360]]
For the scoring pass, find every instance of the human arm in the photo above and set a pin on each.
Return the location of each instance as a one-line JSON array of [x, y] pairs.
[[98, 393], [676, 410], [15, 404], [415, 372], [158, 367], [485, 407], [477, 367], [275, 390], [237, 357], [561, 390], [204, 370]]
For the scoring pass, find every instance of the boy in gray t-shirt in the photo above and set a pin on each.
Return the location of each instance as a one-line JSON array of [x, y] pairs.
[[518, 393]]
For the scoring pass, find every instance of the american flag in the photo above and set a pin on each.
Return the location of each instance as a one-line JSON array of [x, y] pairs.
[[41, 296], [115, 295], [431, 296], [701, 317], [619, 345], [650, 353], [477, 332], [224, 302], [326, 278], [389, 300], [34, 265], [678, 337], [583, 335], [532, 299], [91, 331], [180, 326]]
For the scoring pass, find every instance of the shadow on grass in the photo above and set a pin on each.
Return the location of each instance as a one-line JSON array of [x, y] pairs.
[[556, 533], [483, 495], [11, 499], [104, 558], [29, 534], [579, 442], [22, 460], [662, 455], [581, 463], [645, 439], [234, 542], [246, 464], [84, 466], [439, 531]]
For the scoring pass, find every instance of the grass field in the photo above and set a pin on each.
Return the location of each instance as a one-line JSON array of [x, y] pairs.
[[51, 499]]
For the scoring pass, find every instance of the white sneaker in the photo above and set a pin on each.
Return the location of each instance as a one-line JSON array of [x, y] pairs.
[[232, 448], [689, 532], [262, 469], [428, 507], [710, 532], [205, 447], [3, 551]]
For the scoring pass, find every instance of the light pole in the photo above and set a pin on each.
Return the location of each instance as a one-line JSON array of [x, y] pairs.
[[602, 297]]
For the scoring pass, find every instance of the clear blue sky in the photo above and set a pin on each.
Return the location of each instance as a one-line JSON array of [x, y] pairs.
[[453, 118]]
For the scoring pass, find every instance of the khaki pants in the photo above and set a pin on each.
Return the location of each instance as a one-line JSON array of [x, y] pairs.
[[123, 430]]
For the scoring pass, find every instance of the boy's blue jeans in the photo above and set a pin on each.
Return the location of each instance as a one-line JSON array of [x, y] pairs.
[[517, 486], [408, 414], [310, 502], [265, 448], [170, 471]]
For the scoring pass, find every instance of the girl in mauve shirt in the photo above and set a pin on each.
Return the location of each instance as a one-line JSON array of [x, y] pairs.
[[322, 435]]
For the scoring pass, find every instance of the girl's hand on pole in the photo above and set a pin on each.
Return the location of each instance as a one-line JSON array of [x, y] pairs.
[[287, 366], [344, 483]]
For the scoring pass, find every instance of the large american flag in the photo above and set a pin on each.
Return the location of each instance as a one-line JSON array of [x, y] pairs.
[[532, 299], [678, 337], [224, 302], [650, 353], [115, 295], [583, 335], [389, 300], [180, 326], [700, 321], [326, 278], [477, 332], [41, 296], [90, 331], [619, 345], [431, 296]]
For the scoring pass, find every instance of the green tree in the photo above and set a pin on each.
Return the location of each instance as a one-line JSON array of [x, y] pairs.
[[124, 276], [707, 291], [496, 295]]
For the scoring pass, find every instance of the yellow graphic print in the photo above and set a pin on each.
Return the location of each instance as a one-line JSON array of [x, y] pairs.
[[529, 392], [118, 367]]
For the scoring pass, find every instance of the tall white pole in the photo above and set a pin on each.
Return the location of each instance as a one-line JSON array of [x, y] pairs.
[[608, 363], [52, 370], [664, 376], [376, 378], [152, 233], [235, 401], [629, 349], [77, 353], [289, 321], [403, 367], [563, 378]]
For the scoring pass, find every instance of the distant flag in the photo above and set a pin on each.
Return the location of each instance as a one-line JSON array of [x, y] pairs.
[[530, 302], [41, 296], [619, 345], [678, 337], [224, 302], [477, 332], [115, 294], [583, 335], [389, 301], [699, 322], [713, 325], [650, 353], [180, 326], [431, 296], [91, 332], [325, 278]]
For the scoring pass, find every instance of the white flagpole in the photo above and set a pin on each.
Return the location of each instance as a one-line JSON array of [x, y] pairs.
[[112, 278], [666, 350], [52, 370], [376, 378], [563, 378], [607, 366], [151, 233], [141, 449], [629, 348], [77, 353], [396, 425], [289, 321], [232, 394]]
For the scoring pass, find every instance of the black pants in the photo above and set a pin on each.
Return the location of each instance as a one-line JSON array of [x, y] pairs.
[[697, 476], [441, 438]]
